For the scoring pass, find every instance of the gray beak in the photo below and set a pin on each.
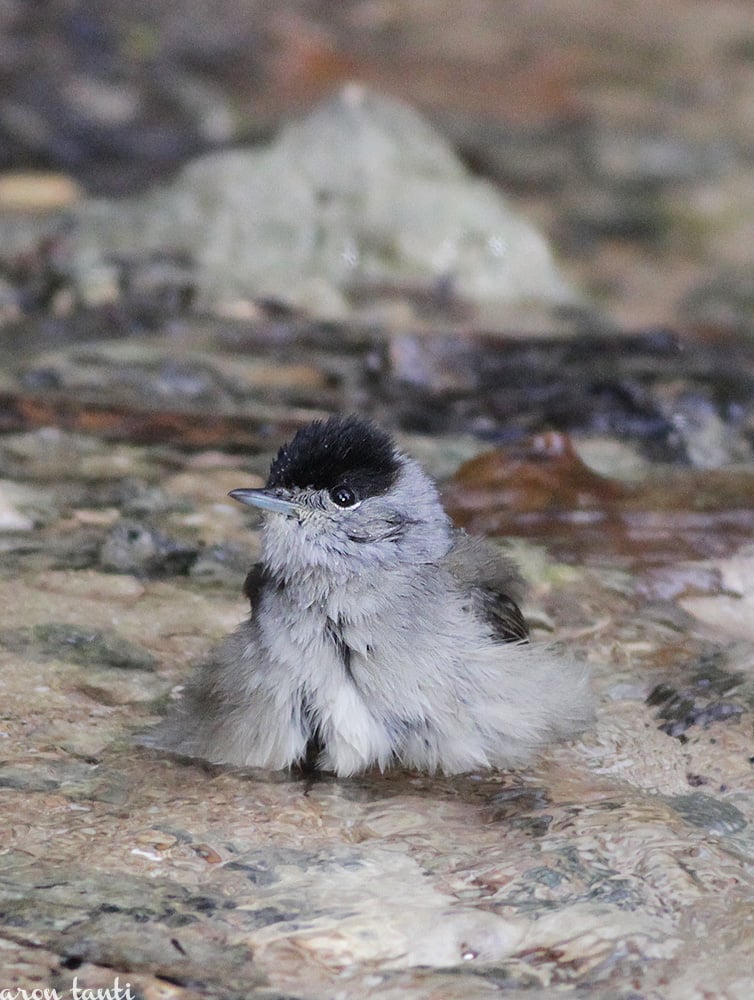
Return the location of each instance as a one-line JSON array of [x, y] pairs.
[[265, 500]]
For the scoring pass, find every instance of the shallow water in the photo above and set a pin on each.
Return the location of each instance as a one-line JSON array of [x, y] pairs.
[[608, 867]]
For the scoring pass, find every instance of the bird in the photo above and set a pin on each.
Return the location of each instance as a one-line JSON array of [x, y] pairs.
[[379, 634]]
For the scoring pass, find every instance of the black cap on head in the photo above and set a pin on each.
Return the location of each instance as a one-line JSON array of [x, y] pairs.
[[340, 451]]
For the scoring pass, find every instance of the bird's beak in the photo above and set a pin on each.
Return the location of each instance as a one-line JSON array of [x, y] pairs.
[[265, 500]]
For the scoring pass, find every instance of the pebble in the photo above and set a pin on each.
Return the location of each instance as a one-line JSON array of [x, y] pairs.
[[115, 687], [11, 518], [25, 191], [135, 547]]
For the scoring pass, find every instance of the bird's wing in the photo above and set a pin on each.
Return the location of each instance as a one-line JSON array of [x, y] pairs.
[[492, 582], [252, 585], [502, 614]]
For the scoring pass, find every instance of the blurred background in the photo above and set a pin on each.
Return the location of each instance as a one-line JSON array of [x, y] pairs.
[[474, 222], [623, 129]]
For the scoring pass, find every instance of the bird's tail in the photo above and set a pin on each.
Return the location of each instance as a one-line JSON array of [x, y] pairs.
[[539, 697]]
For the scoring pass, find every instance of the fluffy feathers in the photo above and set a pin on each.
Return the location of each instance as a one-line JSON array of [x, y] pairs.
[[378, 634]]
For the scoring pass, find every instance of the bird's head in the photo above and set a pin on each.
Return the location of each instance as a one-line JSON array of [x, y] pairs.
[[342, 500]]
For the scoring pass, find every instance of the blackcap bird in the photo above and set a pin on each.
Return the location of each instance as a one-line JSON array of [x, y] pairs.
[[379, 634]]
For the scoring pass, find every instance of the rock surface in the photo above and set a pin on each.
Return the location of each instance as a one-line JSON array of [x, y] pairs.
[[617, 861]]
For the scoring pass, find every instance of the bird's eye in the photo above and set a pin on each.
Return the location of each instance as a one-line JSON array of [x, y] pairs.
[[342, 496]]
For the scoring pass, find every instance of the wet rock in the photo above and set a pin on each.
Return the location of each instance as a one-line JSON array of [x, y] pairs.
[[114, 687], [76, 644], [517, 799], [541, 487], [710, 814], [706, 697], [297, 224], [128, 924], [72, 778], [681, 711], [26, 779], [404, 937]]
